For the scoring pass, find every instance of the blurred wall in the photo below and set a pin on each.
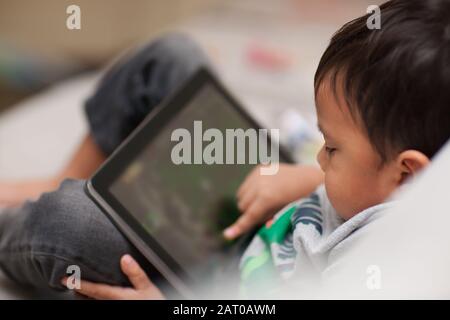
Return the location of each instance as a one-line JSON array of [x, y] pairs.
[[107, 25], [37, 49]]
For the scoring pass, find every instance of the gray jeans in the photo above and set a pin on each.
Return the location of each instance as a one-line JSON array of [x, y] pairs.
[[39, 240]]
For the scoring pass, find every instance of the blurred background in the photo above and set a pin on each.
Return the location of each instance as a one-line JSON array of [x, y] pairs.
[[266, 52]]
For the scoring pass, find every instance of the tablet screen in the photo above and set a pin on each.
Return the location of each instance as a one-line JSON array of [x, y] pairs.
[[185, 207]]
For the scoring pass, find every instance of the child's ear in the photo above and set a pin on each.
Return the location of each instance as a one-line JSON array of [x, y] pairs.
[[410, 162]]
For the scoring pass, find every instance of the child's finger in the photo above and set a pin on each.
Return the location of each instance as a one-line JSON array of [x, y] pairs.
[[246, 200], [101, 291], [134, 272], [245, 222], [98, 291], [243, 188], [247, 182]]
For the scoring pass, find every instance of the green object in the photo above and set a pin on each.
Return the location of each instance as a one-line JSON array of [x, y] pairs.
[[258, 272]]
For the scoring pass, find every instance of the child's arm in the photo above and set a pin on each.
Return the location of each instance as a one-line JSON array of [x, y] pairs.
[[260, 196]]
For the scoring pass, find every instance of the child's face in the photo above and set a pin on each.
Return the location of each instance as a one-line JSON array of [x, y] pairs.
[[354, 179]]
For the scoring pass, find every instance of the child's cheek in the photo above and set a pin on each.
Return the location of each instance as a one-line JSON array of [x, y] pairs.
[[334, 187]]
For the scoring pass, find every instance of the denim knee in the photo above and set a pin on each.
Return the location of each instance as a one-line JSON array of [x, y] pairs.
[[180, 53], [137, 83], [62, 229]]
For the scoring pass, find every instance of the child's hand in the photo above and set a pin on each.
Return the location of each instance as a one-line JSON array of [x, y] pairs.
[[143, 288], [260, 196]]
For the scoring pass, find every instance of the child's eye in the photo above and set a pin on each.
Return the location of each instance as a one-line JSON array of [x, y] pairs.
[[330, 150]]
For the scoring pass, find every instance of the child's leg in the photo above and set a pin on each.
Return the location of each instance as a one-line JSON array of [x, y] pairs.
[[127, 93], [40, 239]]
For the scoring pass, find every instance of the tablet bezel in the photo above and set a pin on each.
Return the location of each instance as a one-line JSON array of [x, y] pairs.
[[98, 187]]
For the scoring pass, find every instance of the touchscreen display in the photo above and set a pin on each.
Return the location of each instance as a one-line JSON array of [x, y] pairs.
[[185, 207]]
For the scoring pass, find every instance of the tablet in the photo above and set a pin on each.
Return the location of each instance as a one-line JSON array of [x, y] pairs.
[[174, 211]]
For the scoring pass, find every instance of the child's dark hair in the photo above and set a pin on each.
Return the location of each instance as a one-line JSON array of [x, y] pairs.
[[396, 80]]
